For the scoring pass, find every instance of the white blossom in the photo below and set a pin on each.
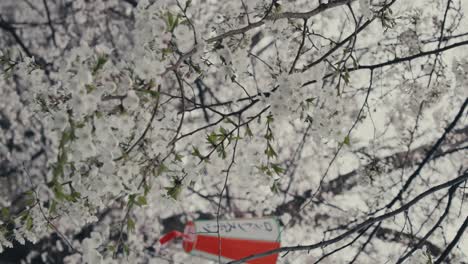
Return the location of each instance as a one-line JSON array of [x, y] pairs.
[[60, 120], [90, 245], [131, 100], [98, 121], [364, 6]]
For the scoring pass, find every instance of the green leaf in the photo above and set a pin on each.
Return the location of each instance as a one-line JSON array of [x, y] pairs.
[[62, 157], [223, 131], [126, 249], [58, 191], [146, 188], [221, 151], [270, 152], [197, 153], [24, 215], [131, 200], [234, 138], [346, 141], [111, 248], [29, 222], [130, 225], [275, 187], [75, 196], [346, 77], [141, 200], [270, 119], [53, 207], [57, 170], [30, 201], [90, 88], [277, 169], [166, 51], [172, 21], [174, 191], [248, 132], [178, 157], [5, 213], [269, 135], [30, 198], [152, 93], [355, 63], [99, 64], [429, 258], [265, 169], [229, 121], [161, 169], [212, 139]]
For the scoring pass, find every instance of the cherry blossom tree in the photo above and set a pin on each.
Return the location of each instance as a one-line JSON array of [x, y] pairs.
[[121, 120]]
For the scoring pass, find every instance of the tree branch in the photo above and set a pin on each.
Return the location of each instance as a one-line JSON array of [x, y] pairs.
[[292, 15], [427, 158], [454, 242], [360, 226]]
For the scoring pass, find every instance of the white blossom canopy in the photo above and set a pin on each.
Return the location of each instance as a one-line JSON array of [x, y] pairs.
[[121, 120]]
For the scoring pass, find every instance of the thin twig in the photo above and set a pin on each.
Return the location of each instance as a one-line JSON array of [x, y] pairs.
[[224, 188]]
